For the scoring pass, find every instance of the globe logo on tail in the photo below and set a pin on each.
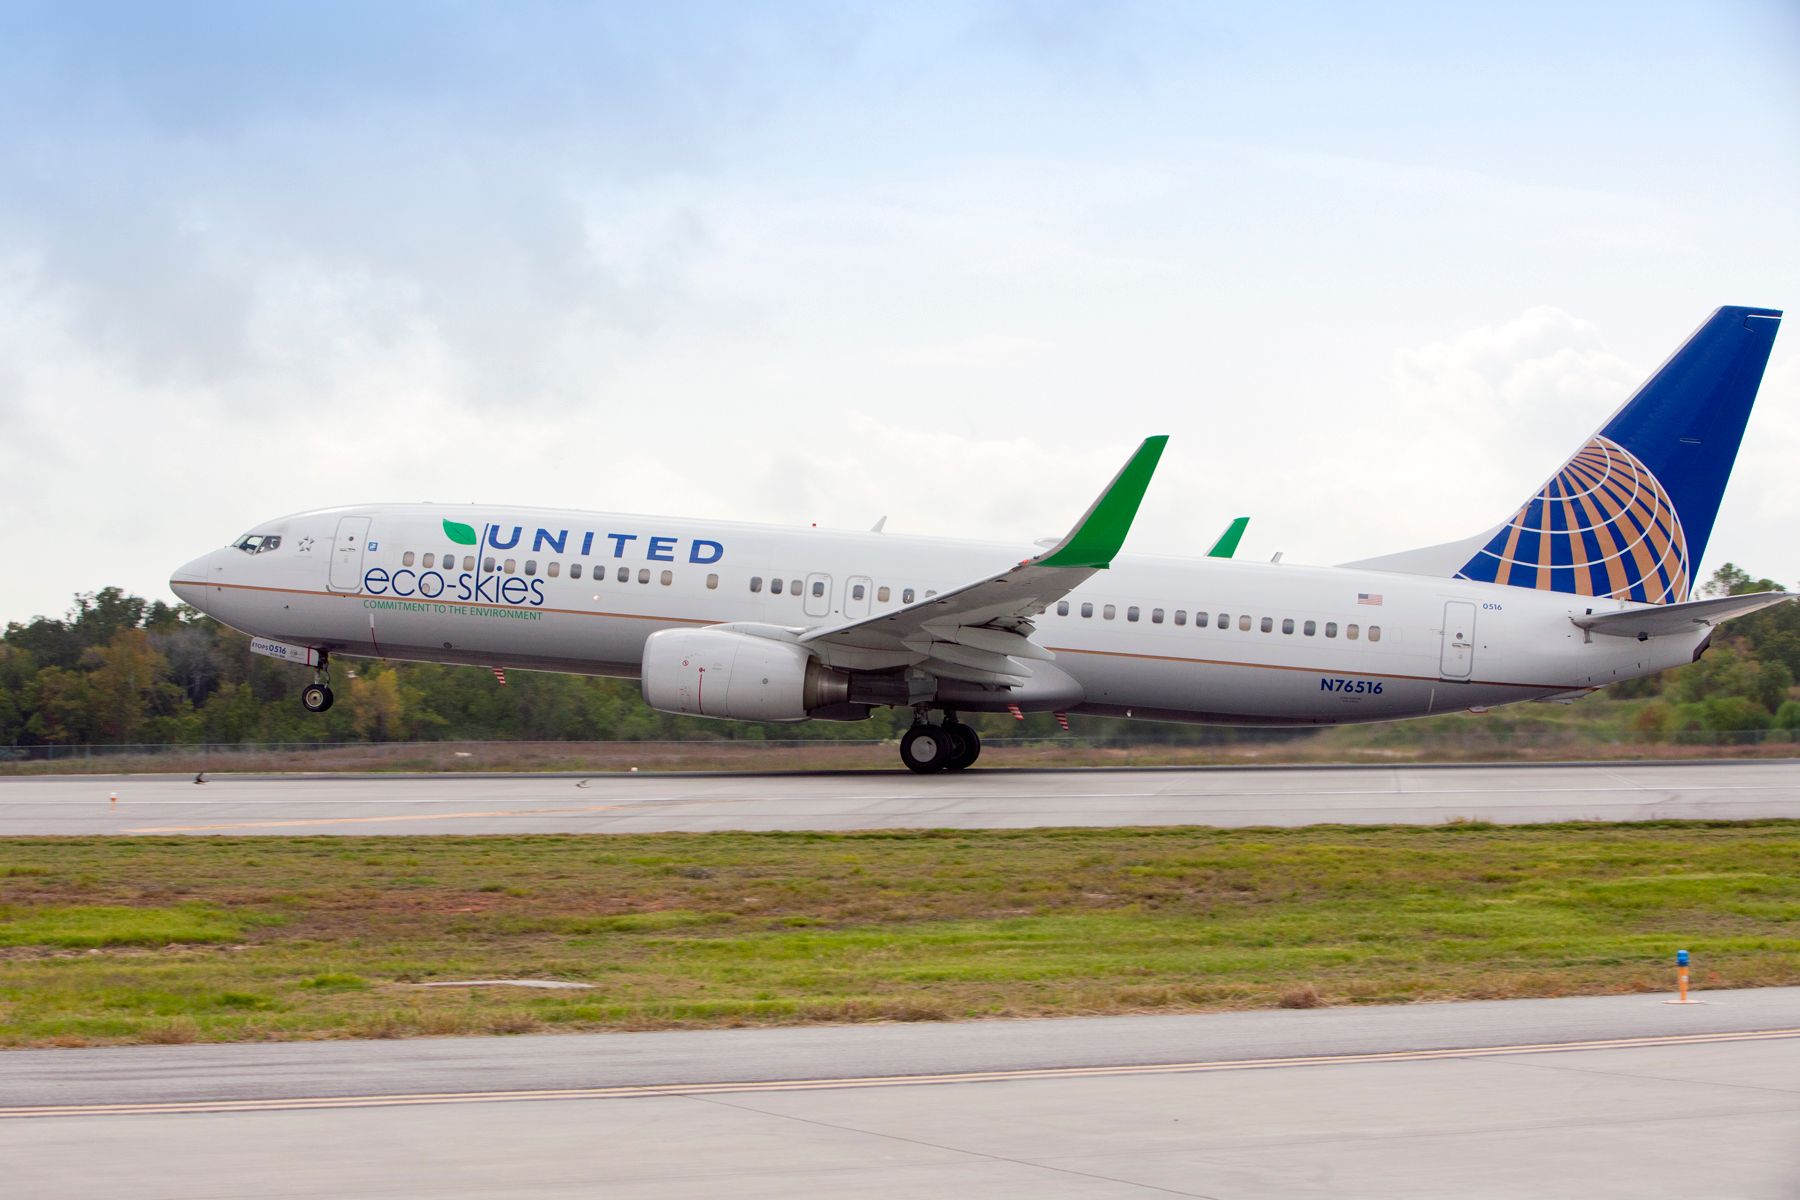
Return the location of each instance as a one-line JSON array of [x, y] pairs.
[[1603, 526]]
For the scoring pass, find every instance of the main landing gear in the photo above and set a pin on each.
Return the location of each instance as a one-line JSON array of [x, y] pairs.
[[951, 746], [316, 696]]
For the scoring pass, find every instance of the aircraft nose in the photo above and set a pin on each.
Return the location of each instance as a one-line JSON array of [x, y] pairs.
[[187, 579]]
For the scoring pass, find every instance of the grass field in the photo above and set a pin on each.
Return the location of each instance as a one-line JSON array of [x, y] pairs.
[[158, 940]]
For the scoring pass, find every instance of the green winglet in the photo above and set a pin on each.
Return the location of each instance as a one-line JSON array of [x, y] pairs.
[[1228, 541], [1097, 537]]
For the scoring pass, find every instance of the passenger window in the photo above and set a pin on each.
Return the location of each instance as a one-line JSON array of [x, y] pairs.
[[1181, 616], [1201, 620], [1087, 609], [882, 593], [1331, 629], [858, 592], [1109, 612], [624, 575], [712, 583], [643, 574], [1310, 628], [1287, 624], [775, 587], [427, 561], [1350, 631], [553, 570], [1131, 613], [1156, 616], [406, 560], [756, 583], [668, 577], [1244, 623], [930, 592], [794, 586], [574, 570], [487, 564], [906, 597], [1268, 624], [509, 566], [1374, 633], [1062, 608], [531, 566], [818, 587]]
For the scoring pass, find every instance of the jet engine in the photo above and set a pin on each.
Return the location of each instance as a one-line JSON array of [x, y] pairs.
[[718, 673]]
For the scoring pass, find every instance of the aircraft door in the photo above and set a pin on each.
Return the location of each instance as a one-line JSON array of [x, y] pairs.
[[347, 554], [1458, 658], [818, 595], [857, 592]]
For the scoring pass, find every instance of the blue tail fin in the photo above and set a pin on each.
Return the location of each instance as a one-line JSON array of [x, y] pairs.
[[1628, 517]]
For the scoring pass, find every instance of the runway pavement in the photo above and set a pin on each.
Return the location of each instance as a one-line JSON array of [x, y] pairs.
[[385, 804], [1594, 1097]]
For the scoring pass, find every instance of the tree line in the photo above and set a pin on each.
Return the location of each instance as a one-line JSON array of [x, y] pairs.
[[119, 669]]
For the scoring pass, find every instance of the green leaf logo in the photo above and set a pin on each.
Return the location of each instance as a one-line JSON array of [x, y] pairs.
[[462, 535]]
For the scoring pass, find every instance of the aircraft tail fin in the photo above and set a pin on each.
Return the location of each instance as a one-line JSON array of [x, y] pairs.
[[1629, 515]]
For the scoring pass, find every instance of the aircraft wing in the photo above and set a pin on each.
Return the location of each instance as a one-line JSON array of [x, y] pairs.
[[980, 631], [1661, 619]]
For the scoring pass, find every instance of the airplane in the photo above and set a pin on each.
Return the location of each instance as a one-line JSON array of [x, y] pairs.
[[1587, 583]]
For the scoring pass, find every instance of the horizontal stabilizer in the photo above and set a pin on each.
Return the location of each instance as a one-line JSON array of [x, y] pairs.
[[1665, 619]]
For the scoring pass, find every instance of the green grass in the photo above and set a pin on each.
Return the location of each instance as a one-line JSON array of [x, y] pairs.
[[122, 940], [93, 925]]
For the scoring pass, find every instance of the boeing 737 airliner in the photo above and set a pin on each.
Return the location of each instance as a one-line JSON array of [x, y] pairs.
[[1584, 585]]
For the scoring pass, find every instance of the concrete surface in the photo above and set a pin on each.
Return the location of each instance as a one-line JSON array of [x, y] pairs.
[[1702, 1119], [876, 800], [273, 1070]]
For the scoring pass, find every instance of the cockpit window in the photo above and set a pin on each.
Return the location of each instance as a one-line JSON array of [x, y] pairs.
[[259, 543]]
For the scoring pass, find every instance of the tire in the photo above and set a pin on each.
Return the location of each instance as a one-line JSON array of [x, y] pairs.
[[926, 748], [967, 745], [316, 698]]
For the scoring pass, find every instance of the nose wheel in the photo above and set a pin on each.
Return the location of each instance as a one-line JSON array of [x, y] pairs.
[[316, 696]]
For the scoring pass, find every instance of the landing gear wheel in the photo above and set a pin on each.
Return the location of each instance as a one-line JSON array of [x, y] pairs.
[[967, 745], [926, 748], [316, 697]]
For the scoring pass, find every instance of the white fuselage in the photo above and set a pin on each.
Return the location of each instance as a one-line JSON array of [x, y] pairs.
[[580, 592]]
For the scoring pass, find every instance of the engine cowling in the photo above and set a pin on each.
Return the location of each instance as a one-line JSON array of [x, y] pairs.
[[738, 676]]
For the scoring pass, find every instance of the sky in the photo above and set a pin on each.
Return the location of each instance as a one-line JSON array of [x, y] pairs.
[[1377, 268]]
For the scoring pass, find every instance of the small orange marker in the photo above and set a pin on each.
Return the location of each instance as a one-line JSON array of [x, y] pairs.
[[112, 798], [1681, 980]]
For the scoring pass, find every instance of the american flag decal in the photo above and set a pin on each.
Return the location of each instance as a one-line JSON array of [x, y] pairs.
[[1368, 597]]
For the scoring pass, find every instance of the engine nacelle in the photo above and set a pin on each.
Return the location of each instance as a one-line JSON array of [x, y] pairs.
[[716, 673]]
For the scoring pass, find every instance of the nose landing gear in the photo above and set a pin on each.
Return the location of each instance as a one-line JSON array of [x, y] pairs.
[[951, 746], [316, 696]]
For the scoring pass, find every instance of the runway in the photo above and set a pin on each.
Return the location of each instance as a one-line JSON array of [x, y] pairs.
[[1006, 799], [1593, 1097]]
